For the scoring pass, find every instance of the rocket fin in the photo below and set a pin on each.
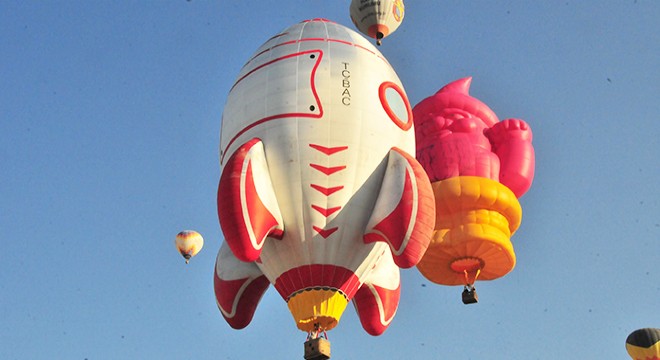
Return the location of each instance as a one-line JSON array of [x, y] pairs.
[[238, 287], [404, 214], [247, 206], [377, 300]]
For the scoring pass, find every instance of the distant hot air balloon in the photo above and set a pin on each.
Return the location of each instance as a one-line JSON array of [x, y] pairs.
[[644, 344], [377, 19], [319, 192], [478, 166], [189, 243]]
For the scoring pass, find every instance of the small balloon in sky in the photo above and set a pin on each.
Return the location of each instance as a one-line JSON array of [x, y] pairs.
[[377, 19], [189, 243]]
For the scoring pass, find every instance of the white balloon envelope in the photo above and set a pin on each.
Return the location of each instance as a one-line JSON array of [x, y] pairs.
[[319, 194]]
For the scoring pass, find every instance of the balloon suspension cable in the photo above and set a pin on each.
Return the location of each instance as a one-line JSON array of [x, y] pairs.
[[469, 285], [317, 332], [469, 295]]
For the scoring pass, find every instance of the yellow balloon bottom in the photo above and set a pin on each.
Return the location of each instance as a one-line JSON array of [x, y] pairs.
[[475, 218], [317, 308], [644, 353]]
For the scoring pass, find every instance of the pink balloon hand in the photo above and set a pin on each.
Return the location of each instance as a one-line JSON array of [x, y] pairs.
[[512, 143]]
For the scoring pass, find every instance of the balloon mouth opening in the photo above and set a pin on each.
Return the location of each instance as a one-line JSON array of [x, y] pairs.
[[318, 322], [466, 264], [470, 267], [317, 308], [378, 32], [186, 256]]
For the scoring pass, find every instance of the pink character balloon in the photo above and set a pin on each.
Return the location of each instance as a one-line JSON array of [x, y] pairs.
[[478, 167], [458, 135]]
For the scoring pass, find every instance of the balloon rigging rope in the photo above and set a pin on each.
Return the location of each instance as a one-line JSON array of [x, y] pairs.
[[467, 278], [317, 332]]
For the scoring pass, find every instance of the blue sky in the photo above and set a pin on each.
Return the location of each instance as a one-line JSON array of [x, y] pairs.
[[109, 132]]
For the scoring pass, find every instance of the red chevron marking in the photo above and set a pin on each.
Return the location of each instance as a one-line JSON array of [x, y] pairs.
[[325, 232], [326, 191], [327, 170], [328, 150], [326, 212]]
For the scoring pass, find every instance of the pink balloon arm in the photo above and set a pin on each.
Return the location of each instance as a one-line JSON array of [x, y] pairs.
[[511, 140]]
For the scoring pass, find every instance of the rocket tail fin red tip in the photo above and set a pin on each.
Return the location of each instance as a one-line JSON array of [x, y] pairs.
[[377, 299], [247, 207], [404, 214], [238, 287]]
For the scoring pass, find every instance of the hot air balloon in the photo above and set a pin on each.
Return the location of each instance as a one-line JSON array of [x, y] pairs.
[[319, 194], [189, 243], [377, 19], [478, 167], [644, 344]]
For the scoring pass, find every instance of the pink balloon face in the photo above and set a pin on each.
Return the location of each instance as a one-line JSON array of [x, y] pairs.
[[458, 120], [452, 143]]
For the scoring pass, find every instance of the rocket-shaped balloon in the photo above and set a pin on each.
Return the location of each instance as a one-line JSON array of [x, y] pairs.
[[478, 167], [320, 193]]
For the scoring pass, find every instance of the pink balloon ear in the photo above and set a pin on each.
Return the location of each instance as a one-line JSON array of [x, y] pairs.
[[456, 94], [461, 86]]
